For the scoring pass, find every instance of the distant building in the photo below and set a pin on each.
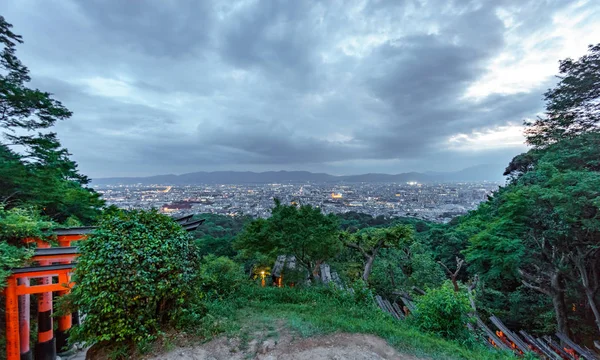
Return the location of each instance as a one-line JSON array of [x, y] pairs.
[[176, 206]]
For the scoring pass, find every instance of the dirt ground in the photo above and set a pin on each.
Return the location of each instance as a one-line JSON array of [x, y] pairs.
[[339, 346]]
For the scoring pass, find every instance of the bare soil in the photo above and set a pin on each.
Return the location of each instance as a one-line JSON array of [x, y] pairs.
[[285, 345]]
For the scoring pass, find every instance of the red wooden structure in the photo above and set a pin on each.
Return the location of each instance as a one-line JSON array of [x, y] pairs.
[[54, 275]]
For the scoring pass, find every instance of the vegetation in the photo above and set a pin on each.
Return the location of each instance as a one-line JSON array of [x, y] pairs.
[[310, 311], [35, 170], [371, 240], [39, 185], [304, 232], [217, 233], [534, 246], [444, 312], [133, 277], [572, 106], [15, 225]]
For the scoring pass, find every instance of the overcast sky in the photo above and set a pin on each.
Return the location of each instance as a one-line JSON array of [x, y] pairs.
[[342, 87]]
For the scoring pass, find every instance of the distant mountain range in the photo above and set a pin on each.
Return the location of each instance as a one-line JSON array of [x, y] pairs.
[[488, 172]]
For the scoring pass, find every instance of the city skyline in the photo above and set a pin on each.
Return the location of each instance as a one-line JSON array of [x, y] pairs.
[[338, 87]]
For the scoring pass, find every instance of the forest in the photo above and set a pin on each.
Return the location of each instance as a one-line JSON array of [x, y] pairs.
[[530, 254]]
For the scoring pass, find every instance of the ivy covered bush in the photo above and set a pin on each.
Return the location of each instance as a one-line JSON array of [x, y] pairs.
[[15, 225], [134, 276], [444, 312]]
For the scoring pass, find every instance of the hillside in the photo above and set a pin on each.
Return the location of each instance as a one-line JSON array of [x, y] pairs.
[[488, 172]]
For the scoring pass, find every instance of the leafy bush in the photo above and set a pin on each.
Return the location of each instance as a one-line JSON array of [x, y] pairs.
[[15, 225], [19, 223], [444, 312], [220, 276], [133, 276]]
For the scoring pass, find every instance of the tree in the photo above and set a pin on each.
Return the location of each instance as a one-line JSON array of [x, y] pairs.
[[34, 168], [22, 108], [550, 221], [304, 232], [371, 240], [573, 105], [217, 233], [403, 267], [134, 275]]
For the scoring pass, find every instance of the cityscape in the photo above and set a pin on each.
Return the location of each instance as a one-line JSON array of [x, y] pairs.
[[428, 201]]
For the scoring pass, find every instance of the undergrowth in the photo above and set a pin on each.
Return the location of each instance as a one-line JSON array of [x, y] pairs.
[[322, 310]]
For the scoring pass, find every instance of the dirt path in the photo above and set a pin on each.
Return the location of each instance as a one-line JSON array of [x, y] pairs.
[[287, 346]]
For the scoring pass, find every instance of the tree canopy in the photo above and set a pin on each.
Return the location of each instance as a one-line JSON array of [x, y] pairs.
[[368, 242], [35, 170], [302, 231], [573, 105]]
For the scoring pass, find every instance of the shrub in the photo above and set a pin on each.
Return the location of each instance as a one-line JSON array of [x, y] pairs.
[[133, 276], [220, 276], [444, 312], [15, 225]]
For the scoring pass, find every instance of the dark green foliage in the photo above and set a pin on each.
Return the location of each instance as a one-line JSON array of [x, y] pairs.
[[133, 277], [353, 221], [572, 106], [11, 257], [444, 312], [304, 232], [35, 170], [15, 225], [220, 276], [217, 233], [369, 242]]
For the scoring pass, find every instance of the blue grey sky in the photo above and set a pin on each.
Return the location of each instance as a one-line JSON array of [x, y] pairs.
[[342, 87]]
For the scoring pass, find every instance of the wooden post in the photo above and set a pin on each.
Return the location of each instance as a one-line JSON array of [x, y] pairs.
[[24, 318], [64, 322], [13, 351], [45, 349]]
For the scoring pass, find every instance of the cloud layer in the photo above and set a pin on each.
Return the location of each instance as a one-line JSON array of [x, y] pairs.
[[334, 86]]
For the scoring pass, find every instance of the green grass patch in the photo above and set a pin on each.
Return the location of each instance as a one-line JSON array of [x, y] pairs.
[[320, 310]]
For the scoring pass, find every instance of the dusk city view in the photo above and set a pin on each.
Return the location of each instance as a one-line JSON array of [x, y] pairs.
[[247, 179]]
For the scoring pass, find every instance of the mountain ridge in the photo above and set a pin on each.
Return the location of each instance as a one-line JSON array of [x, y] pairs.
[[484, 172]]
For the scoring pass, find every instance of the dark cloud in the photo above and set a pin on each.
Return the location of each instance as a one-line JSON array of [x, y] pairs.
[[340, 86]]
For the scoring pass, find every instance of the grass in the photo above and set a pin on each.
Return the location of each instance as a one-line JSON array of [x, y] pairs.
[[315, 311]]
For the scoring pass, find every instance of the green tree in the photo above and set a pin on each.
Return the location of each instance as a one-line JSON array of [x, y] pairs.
[[133, 277], [403, 267], [217, 234], [573, 105], [545, 227], [304, 232], [370, 241], [34, 168]]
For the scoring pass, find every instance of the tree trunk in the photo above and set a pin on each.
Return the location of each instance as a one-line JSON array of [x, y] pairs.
[[558, 301], [368, 266], [590, 289], [592, 302]]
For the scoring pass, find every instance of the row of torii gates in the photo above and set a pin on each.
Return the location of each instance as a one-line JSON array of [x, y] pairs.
[[53, 275]]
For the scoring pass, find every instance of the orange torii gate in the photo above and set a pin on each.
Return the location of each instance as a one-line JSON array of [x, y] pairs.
[[54, 263]]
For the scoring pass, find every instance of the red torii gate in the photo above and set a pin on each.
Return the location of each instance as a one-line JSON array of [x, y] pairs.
[[54, 262], [19, 289]]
